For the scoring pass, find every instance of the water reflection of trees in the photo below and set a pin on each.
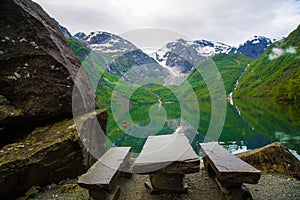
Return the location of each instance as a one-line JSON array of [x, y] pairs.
[[251, 122]]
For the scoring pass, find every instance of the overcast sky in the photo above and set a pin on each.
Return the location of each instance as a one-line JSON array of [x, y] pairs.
[[228, 21]]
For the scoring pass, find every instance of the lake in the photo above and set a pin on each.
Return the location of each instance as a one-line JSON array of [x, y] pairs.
[[249, 124]]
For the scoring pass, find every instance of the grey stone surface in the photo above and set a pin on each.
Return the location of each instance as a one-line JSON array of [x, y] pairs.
[[105, 171], [37, 66], [229, 170], [171, 182], [167, 154]]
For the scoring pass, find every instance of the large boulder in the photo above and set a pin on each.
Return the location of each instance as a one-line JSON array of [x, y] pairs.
[[273, 158], [47, 155], [37, 69]]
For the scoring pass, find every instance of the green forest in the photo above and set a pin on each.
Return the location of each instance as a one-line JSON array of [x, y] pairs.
[[275, 73]]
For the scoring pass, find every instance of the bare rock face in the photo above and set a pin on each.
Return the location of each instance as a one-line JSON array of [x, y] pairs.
[[274, 158], [37, 67]]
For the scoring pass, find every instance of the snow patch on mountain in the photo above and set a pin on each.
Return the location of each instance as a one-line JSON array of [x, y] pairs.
[[212, 48], [106, 43], [180, 56]]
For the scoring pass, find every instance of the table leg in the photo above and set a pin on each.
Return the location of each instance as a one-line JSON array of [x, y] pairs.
[[169, 182]]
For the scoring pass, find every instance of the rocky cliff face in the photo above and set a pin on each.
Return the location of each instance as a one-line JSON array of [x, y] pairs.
[[37, 68]]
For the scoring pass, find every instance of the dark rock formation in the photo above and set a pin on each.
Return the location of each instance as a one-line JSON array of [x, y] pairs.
[[47, 155], [175, 60], [274, 158], [37, 69], [255, 47], [39, 85]]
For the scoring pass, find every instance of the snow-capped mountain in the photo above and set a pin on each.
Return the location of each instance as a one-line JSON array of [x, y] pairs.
[[127, 61], [106, 43], [254, 47], [181, 56], [173, 62], [213, 48], [80, 36]]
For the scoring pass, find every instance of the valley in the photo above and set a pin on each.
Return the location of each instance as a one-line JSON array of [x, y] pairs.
[[188, 59]]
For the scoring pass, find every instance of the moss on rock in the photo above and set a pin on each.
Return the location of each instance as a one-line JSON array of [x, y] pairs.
[[46, 155], [274, 158]]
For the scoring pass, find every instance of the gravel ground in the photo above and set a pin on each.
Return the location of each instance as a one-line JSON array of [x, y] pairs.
[[274, 186], [200, 186]]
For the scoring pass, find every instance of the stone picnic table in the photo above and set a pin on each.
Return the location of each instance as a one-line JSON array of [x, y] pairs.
[[167, 158]]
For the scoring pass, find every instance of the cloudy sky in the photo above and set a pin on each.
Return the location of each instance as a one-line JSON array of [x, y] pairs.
[[228, 21]]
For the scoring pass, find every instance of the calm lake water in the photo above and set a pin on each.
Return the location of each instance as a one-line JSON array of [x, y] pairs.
[[249, 124]]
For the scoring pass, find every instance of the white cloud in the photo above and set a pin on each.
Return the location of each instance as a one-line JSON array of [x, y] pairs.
[[276, 52], [229, 21], [291, 50]]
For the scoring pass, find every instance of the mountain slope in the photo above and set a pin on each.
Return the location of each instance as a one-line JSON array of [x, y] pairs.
[[170, 65], [124, 59], [64, 30], [275, 73], [181, 55], [254, 47], [105, 42], [107, 81], [79, 49], [230, 67], [213, 48], [177, 60]]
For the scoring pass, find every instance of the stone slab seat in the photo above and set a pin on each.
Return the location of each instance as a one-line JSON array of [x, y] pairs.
[[228, 169], [101, 179]]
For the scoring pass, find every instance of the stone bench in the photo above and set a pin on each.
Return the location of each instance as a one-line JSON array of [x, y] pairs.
[[167, 158], [229, 171], [101, 179]]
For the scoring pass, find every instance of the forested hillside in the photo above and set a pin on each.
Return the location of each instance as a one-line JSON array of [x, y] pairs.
[[275, 73]]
